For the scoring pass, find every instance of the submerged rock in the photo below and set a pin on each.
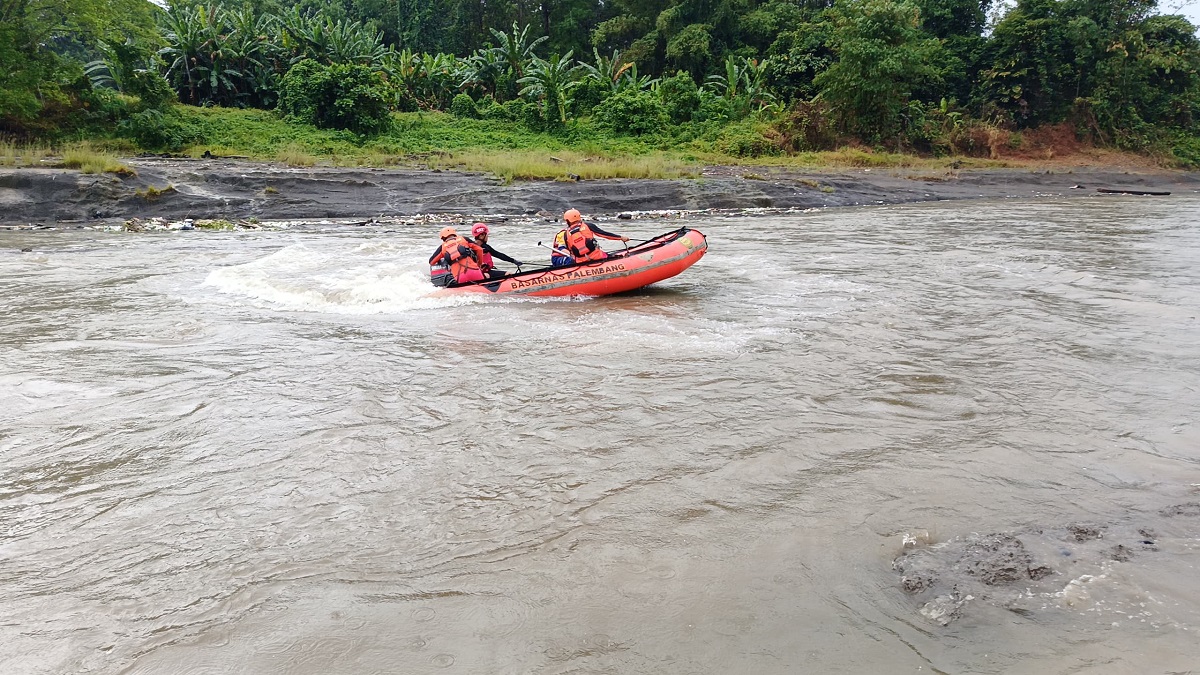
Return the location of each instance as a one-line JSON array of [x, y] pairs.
[[1024, 571], [1185, 509], [944, 609], [1083, 532], [1000, 559], [1121, 553]]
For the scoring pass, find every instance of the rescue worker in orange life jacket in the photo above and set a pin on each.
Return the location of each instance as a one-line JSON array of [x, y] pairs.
[[559, 255], [579, 239], [456, 261], [480, 232]]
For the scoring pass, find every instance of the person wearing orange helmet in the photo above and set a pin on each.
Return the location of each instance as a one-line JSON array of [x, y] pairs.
[[480, 232], [576, 242], [456, 261]]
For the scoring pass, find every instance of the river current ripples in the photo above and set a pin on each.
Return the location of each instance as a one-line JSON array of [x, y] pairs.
[[273, 452]]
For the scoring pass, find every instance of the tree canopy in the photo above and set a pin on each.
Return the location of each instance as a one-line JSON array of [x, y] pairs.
[[879, 70]]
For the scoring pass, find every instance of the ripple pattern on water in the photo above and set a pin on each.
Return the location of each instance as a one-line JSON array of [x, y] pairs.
[[273, 452]]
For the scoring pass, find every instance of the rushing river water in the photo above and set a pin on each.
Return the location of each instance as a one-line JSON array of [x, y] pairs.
[[271, 452]]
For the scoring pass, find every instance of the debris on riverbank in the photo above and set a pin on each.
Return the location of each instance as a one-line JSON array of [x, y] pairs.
[[160, 224]]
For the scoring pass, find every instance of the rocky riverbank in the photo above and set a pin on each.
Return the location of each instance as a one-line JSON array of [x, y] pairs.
[[176, 189]]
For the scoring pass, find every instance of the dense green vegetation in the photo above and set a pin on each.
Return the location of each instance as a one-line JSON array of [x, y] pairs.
[[677, 79]]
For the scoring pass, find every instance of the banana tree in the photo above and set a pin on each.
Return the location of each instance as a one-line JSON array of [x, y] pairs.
[[405, 70], [184, 29], [629, 79], [729, 84], [207, 55], [404, 66], [482, 69], [754, 83], [352, 42], [551, 82], [217, 69], [515, 49], [255, 54], [606, 71], [744, 80], [615, 74], [296, 34], [116, 66], [322, 39], [440, 79]]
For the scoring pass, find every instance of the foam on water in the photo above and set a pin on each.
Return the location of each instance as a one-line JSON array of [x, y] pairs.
[[297, 278], [663, 334]]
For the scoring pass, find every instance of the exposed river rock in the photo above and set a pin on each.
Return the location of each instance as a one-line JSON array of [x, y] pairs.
[[182, 188], [1031, 569]]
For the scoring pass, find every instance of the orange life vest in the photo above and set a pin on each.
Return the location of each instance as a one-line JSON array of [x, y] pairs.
[[461, 254], [581, 242]]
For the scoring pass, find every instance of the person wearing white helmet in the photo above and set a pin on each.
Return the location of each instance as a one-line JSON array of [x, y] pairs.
[[480, 232]]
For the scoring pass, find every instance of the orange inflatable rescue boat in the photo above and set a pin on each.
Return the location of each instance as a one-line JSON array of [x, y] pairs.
[[656, 259]]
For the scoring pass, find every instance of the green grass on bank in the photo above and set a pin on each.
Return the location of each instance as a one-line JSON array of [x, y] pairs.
[[564, 164], [12, 154], [82, 156], [89, 160], [435, 140], [509, 150]]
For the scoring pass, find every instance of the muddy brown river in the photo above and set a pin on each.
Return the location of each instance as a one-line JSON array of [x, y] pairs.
[[942, 438]]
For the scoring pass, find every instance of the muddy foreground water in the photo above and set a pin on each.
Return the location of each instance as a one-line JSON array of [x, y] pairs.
[[955, 438]]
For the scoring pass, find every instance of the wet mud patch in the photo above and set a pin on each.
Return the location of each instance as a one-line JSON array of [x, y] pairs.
[[1035, 569]]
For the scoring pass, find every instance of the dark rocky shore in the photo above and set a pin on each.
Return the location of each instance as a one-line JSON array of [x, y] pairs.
[[230, 189]]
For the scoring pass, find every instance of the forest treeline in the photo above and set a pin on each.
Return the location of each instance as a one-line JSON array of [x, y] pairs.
[[928, 75]]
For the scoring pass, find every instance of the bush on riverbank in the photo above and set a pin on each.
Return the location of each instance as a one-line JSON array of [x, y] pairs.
[[513, 151], [340, 96], [1186, 152]]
